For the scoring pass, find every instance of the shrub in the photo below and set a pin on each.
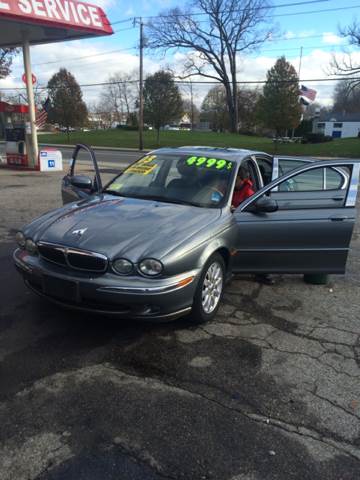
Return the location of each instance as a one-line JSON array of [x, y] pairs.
[[316, 138]]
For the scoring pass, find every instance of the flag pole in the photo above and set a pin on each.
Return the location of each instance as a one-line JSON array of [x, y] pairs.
[[299, 72]]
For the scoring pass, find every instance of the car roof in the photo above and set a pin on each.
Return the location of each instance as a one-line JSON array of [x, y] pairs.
[[235, 154]]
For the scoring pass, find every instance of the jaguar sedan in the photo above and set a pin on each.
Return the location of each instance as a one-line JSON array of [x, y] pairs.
[[161, 239]]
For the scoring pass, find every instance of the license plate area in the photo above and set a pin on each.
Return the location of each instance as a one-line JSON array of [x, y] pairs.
[[60, 288]]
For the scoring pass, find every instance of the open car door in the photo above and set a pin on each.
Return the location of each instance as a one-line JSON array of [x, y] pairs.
[[306, 229], [76, 186]]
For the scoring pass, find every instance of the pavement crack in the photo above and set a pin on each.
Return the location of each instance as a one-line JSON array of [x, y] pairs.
[[342, 446], [140, 459]]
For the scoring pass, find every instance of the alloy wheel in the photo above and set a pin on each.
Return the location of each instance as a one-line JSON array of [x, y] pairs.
[[212, 287]]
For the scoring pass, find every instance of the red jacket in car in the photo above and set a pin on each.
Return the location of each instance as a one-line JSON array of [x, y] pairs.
[[244, 192]]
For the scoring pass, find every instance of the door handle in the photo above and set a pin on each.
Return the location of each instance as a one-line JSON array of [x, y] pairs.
[[338, 199], [338, 218]]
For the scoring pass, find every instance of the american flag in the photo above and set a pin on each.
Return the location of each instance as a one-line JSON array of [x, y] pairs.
[[41, 115], [308, 93]]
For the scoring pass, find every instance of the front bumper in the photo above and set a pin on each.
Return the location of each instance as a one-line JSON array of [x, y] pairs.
[[128, 297]]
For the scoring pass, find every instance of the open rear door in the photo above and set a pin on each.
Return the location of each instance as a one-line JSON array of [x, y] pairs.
[[77, 184]]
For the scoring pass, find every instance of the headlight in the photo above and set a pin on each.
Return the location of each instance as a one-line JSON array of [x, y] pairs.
[[150, 266], [122, 266], [30, 246], [20, 239]]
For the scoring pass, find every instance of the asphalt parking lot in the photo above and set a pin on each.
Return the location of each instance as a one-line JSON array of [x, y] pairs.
[[269, 390]]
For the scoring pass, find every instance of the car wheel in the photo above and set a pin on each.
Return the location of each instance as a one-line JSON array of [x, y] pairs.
[[209, 290]]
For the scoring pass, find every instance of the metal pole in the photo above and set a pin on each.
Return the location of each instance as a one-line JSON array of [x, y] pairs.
[[192, 105], [30, 94], [300, 60], [141, 88], [299, 72]]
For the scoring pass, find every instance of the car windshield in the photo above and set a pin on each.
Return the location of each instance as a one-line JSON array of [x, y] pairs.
[[184, 179]]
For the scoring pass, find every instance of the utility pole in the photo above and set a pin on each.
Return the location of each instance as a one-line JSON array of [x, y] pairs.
[[192, 105], [141, 87]]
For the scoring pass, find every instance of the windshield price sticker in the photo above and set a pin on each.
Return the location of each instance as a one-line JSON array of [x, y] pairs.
[[141, 169], [207, 162], [143, 166]]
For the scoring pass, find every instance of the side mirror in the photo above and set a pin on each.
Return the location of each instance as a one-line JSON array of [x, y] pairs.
[[264, 205], [81, 181]]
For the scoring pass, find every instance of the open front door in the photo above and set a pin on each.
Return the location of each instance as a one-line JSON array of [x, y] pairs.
[[310, 232], [76, 185]]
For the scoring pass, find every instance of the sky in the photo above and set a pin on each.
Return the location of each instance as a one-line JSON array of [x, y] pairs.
[[314, 26]]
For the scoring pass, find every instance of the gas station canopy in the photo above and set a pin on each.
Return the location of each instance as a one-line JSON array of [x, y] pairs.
[[48, 21], [32, 22]]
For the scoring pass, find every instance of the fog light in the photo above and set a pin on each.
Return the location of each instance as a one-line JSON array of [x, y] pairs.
[[20, 239], [30, 247]]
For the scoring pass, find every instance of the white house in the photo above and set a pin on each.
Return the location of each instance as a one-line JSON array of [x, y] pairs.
[[338, 125]]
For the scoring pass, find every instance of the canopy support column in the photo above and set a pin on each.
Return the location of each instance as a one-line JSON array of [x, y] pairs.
[[34, 154]]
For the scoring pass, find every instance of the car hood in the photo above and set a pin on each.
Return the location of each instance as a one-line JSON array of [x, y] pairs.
[[133, 228]]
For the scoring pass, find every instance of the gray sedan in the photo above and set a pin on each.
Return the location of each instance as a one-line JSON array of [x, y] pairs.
[[163, 237]]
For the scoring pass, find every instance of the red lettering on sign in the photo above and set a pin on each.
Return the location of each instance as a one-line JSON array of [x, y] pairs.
[[57, 13]]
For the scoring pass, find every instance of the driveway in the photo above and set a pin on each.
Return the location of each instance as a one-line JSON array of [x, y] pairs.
[[268, 390]]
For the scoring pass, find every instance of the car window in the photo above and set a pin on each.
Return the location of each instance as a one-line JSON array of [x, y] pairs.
[[265, 167], [249, 166], [199, 180], [317, 179], [285, 165], [335, 178]]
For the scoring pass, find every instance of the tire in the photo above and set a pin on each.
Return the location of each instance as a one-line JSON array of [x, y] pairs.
[[202, 310]]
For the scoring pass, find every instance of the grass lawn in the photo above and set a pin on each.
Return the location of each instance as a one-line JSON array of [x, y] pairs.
[[348, 147]]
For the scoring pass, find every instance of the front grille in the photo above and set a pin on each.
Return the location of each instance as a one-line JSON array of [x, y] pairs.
[[72, 257], [52, 253]]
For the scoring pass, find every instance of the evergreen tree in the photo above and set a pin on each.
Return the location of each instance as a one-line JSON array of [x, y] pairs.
[[279, 106], [162, 100], [67, 107]]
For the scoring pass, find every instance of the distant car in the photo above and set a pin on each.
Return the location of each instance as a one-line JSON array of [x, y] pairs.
[[65, 129], [161, 239], [172, 127]]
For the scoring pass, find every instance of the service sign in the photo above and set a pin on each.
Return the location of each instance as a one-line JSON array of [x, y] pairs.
[[57, 13]]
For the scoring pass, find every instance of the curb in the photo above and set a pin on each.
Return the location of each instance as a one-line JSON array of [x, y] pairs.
[[115, 149]]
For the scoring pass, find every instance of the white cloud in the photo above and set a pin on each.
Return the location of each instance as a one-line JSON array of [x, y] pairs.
[[92, 69], [302, 34], [331, 38], [102, 3], [97, 68]]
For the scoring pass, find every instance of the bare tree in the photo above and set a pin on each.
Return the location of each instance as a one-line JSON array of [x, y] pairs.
[[346, 66], [214, 32], [347, 97], [118, 98]]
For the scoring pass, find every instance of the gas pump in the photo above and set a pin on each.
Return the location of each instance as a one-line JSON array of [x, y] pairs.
[[17, 139]]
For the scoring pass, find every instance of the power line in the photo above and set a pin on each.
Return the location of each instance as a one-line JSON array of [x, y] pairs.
[[200, 82], [124, 29], [315, 11], [260, 52], [196, 14], [121, 21], [274, 39], [321, 47], [85, 56]]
